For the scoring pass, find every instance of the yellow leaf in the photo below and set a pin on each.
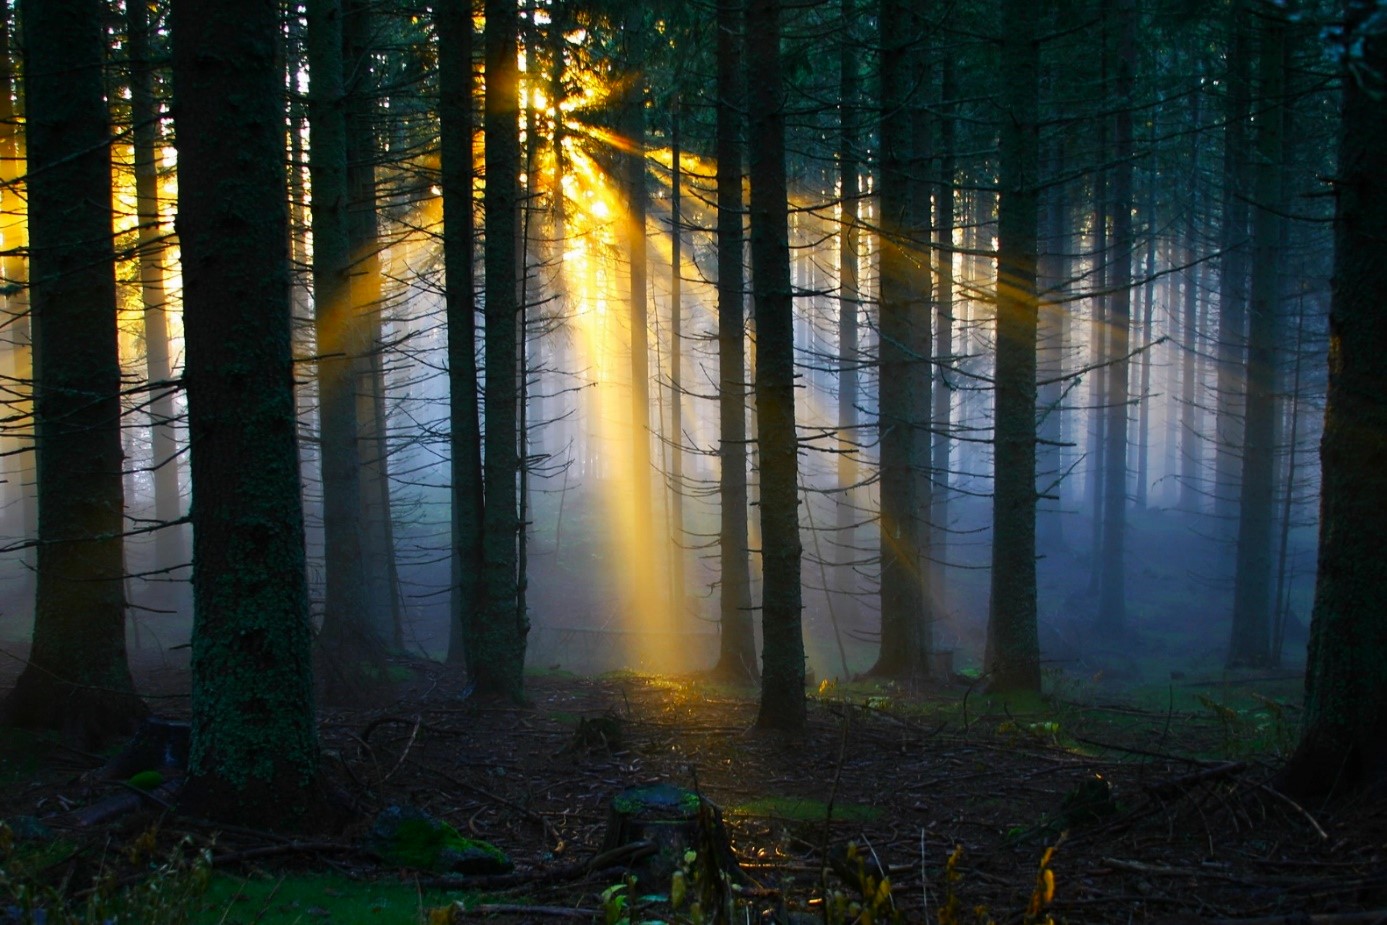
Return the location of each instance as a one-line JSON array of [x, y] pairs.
[[1049, 892]]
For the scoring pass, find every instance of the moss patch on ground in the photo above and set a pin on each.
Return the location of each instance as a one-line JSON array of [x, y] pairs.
[[231, 900]]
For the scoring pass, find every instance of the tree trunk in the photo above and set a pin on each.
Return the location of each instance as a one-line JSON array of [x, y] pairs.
[[381, 607], [1013, 648], [77, 678], [849, 301], [1233, 268], [941, 418], [144, 117], [254, 751], [782, 659], [678, 594], [1250, 643], [1344, 743], [903, 649], [1112, 583], [737, 648], [499, 657], [346, 640], [454, 23]]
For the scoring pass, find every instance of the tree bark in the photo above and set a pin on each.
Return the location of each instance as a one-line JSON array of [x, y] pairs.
[[1250, 642], [1344, 743], [782, 659], [1013, 649], [254, 752], [499, 659], [737, 646], [77, 678], [454, 23]]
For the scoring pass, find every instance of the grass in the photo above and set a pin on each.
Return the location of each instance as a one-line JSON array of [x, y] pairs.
[[307, 898]]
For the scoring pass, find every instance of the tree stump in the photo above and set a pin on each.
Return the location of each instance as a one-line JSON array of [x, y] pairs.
[[673, 821]]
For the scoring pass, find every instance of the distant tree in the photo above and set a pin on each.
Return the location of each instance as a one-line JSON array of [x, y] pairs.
[[1250, 640], [498, 661], [145, 135], [1112, 582], [737, 646], [849, 304], [1344, 742], [346, 640], [254, 751], [77, 678], [360, 36], [454, 22], [1013, 649], [782, 655]]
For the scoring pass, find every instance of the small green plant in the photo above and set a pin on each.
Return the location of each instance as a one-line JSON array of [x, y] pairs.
[[168, 894], [616, 906]]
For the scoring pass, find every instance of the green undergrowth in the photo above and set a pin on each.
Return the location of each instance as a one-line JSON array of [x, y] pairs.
[[801, 809], [314, 897]]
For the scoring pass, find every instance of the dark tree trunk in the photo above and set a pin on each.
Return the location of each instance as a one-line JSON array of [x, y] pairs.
[[849, 301], [254, 752], [782, 657], [77, 678], [1233, 267], [1250, 643], [1013, 649], [737, 650], [346, 640], [454, 23], [903, 649], [1344, 743], [381, 607], [498, 661]]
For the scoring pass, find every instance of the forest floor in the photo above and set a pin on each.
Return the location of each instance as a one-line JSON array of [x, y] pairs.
[[1184, 827]]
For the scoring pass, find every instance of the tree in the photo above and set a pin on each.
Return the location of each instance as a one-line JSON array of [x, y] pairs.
[[904, 643], [1112, 581], [1013, 649], [782, 655], [254, 753], [346, 639], [454, 19], [1344, 742], [1250, 642], [499, 660], [737, 645], [77, 678], [144, 120]]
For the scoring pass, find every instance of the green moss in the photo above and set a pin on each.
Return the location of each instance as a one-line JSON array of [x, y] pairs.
[[660, 800], [409, 838], [801, 809], [313, 898], [146, 780]]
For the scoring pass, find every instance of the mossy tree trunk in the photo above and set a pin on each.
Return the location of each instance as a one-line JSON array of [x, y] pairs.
[[254, 752], [77, 678], [737, 648], [1013, 649], [1344, 744], [782, 655]]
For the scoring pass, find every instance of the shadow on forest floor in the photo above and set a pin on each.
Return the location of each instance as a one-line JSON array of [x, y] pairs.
[[1161, 813]]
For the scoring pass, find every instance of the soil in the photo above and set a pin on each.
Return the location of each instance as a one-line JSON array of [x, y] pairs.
[[1153, 816]]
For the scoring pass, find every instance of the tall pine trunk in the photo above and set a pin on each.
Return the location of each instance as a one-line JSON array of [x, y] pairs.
[[737, 647], [1013, 649], [77, 678], [499, 660], [782, 658], [454, 23], [254, 756]]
